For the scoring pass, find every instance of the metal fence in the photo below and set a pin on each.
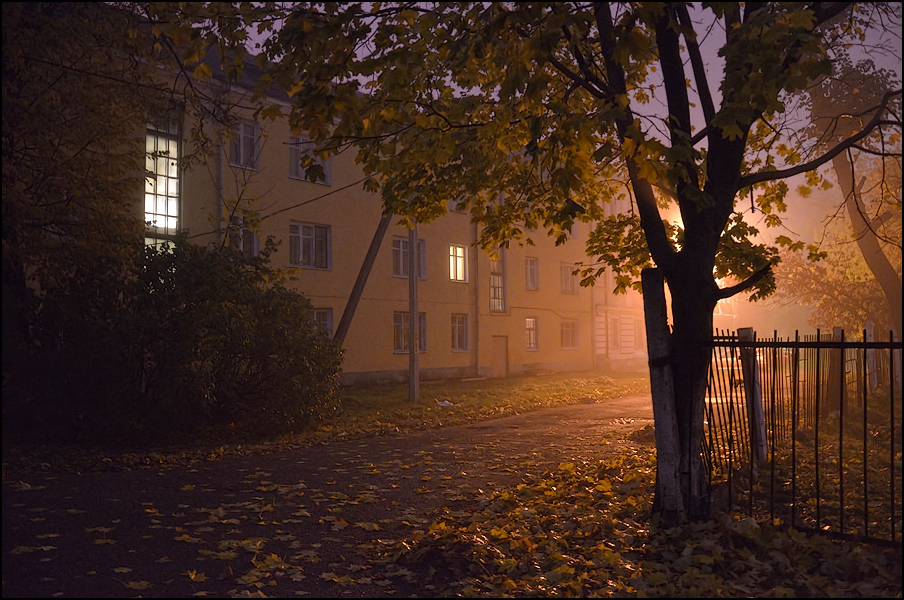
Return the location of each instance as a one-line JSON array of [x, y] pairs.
[[808, 431]]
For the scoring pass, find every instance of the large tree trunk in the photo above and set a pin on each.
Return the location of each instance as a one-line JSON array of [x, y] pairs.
[[693, 301], [868, 242]]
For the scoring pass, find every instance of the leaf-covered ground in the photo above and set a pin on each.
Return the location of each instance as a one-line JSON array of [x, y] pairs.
[[372, 509], [584, 530]]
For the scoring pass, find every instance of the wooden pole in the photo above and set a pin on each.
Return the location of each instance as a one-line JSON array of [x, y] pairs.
[[668, 488], [414, 383]]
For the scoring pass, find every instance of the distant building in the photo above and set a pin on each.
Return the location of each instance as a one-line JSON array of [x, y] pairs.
[[520, 311]]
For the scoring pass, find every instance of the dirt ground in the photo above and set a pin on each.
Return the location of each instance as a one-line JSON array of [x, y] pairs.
[[303, 522]]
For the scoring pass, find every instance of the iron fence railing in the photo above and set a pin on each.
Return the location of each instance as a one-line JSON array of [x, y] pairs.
[[808, 431]]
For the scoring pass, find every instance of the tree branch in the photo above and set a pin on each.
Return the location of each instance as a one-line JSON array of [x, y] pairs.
[[706, 99], [746, 284], [875, 122]]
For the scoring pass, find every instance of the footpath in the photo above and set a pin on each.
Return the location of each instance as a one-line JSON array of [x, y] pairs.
[[302, 522]]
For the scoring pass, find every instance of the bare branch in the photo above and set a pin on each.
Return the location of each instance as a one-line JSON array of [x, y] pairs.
[[875, 122], [744, 285]]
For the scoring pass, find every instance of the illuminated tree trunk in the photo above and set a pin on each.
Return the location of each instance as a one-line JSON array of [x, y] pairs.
[[868, 242]]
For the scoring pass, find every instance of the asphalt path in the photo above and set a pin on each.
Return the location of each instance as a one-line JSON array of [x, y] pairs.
[[302, 522]]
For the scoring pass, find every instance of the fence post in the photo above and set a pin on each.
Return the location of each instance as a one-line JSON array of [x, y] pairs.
[[834, 370], [668, 489], [869, 335], [753, 390]]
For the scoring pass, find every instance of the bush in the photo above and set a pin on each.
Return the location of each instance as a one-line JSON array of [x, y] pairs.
[[193, 340]]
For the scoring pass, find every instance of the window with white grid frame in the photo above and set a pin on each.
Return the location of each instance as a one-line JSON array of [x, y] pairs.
[[309, 246], [400, 322], [400, 258], [323, 318], [569, 279], [569, 334], [497, 282], [459, 332], [532, 273], [300, 148], [162, 187], [532, 334], [244, 148], [458, 263]]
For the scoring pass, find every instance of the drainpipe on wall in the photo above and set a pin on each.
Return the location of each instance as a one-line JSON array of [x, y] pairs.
[[476, 279]]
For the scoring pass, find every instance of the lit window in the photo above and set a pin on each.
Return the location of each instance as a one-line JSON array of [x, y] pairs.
[[162, 185], [531, 333], [323, 319], [458, 262], [245, 145], [497, 282], [300, 159], [459, 333], [309, 245], [569, 334], [400, 332], [532, 273], [400, 258], [569, 279]]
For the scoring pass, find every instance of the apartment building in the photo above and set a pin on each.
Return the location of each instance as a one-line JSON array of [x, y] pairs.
[[516, 311]]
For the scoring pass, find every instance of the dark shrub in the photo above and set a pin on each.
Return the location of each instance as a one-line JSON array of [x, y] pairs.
[[195, 340]]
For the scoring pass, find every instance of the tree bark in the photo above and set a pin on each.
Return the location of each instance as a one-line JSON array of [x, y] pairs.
[[868, 242], [669, 498]]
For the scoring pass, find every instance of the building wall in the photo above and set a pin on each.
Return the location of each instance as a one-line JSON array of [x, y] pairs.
[[497, 340]]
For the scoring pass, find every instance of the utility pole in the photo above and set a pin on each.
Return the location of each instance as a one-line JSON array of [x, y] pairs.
[[414, 382]]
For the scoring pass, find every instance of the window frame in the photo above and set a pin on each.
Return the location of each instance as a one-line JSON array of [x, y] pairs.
[[301, 238], [532, 334], [531, 273], [400, 258], [568, 281], [166, 127], [400, 321], [242, 238], [458, 265], [238, 151], [325, 325], [296, 144], [569, 334], [497, 291], [460, 332]]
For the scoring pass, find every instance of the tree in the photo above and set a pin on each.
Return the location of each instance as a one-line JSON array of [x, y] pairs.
[[839, 107], [523, 111]]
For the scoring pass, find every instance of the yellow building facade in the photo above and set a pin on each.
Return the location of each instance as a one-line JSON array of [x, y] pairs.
[[519, 311]]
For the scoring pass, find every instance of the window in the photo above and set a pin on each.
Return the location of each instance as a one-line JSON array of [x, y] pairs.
[[459, 333], [245, 145], [532, 333], [400, 258], [400, 332], [323, 318], [569, 334], [241, 237], [532, 273], [309, 245], [640, 333], [458, 262], [321, 169], [569, 279], [497, 282], [162, 192]]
